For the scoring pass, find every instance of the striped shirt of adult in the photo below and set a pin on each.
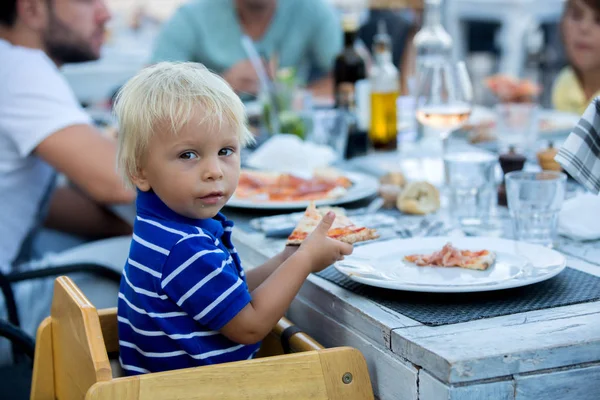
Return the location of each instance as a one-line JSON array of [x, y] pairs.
[[183, 281]]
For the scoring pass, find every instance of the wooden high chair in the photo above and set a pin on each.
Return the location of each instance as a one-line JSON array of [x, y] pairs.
[[74, 343]]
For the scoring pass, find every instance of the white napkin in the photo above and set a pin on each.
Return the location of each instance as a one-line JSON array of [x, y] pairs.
[[579, 218], [288, 153]]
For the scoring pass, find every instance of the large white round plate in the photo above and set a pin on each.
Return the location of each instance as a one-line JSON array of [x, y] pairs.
[[363, 186], [517, 264]]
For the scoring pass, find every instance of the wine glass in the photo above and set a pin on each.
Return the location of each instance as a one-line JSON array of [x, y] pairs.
[[444, 99]]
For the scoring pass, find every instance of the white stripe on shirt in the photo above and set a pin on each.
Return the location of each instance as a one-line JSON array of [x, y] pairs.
[[161, 333], [218, 300], [200, 356], [151, 314], [143, 291], [150, 245], [161, 226], [204, 281], [133, 367], [143, 268], [201, 234], [186, 264], [152, 354]]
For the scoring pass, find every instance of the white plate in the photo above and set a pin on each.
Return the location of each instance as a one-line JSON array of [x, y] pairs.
[[363, 186], [517, 264]]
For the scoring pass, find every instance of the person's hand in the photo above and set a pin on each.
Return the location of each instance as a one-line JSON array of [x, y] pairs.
[[321, 250], [242, 77]]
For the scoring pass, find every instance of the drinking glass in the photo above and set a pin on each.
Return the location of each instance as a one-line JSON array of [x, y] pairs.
[[517, 125], [330, 128], [534, 201], [444, 101], [470, 177]]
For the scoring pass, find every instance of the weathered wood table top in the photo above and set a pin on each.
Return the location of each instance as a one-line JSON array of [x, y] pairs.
[[545, 354]]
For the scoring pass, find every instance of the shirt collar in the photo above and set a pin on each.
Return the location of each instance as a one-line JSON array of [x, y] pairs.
[[149, 203]]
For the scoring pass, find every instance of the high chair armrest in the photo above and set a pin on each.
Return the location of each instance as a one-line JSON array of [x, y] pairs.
[[338, 373]]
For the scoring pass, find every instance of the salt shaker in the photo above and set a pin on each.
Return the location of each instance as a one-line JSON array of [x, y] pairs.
[[509, 162]]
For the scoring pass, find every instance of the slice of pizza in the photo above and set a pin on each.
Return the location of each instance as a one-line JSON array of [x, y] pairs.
[[342, 229], [450, 256]]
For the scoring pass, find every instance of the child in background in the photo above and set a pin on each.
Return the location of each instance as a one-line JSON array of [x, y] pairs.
[[184, 299], [579, 83]]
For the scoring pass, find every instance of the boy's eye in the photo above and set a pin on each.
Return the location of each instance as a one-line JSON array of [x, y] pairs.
[[226, 152], [188, 155]]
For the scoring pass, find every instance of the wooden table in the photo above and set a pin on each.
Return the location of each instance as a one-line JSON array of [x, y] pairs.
[[551, 354], [546, 354]]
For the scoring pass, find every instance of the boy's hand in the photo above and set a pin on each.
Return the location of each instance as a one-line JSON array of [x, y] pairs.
[[322, 250]]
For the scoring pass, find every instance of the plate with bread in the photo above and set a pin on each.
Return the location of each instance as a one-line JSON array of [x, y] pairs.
[[451, 264], [258, 189]]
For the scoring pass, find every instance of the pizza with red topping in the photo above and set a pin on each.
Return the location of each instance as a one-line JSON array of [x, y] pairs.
[[450, 256], [342, 229]]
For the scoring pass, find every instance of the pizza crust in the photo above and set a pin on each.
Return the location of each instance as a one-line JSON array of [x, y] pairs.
[[483, 262]]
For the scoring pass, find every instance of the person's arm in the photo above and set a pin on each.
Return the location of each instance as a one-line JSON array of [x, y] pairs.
[[272, 298], [41, 116], [256, 276], [177, 39], [88, 159], [72, 211]]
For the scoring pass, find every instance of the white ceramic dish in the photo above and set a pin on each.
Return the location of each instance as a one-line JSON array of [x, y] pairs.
[[517, 264]]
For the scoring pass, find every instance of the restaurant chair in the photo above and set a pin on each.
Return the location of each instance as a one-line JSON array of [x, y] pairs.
[[76, 343]]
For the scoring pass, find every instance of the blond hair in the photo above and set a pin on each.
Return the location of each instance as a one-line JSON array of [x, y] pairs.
[[166, 94]]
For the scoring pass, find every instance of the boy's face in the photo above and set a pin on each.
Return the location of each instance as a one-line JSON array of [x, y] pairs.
[[581, 30], [195, 171]]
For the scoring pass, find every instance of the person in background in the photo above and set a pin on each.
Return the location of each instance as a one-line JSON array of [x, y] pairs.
[[185, 300], [304, 34], [43, 130], [578, 83]]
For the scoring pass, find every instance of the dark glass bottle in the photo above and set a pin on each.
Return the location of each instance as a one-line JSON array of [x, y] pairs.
[[349, 65], [358, 139]]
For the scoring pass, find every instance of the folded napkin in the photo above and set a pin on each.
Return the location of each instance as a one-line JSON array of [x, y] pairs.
[[579, 218], [580, 154], [288, 153]]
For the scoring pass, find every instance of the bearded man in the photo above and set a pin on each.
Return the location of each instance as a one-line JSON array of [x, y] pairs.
[[43, 130]]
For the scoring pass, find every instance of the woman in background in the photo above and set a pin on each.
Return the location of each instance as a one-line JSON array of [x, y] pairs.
[[579, 83]]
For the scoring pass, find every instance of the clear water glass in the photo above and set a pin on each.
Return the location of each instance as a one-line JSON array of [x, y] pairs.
[[517, 125], [534, 202], [331, 128], [470, 177]]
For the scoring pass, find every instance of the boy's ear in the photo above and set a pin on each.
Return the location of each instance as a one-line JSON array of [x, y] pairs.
[[140, 180]]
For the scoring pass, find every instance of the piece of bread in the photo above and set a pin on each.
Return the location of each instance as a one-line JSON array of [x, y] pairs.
[[395, 178], [419, 198]]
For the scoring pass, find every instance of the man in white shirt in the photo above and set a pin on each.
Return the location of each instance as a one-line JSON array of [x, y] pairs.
[[43, 130]]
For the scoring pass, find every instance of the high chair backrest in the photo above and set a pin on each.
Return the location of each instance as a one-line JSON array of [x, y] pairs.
[[70, 351], [74, 343]]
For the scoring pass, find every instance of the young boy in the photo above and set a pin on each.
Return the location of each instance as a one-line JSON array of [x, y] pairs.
[[184, 299]]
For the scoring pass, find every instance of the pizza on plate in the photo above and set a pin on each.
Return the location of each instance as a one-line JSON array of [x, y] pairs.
[[450, 256], [275, 186], [342, 229]]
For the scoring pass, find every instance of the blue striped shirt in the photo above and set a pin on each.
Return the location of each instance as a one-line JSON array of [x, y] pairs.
[[183, 281]]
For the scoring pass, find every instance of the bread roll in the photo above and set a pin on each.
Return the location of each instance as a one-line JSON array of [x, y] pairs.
[[393, 178], [419, 198]]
